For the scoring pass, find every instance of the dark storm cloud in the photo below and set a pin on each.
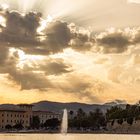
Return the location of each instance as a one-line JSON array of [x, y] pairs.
[[26, 79], [58, 36], [29, 80], [50, 67], [7, 61], [32, 77], [35, 77], [21, 31], [82, 42], [20, 28], [56, 39], [56, 67], [4, 51], [114, 42]]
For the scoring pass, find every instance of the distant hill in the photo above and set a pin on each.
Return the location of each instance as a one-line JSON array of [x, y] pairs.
[[58, 107], [55, 106]]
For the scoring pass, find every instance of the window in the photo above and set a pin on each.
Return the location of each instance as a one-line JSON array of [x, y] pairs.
[[11, 115], [2, 115], [2, 120], [11, 121], [7, 121], [7, 115]]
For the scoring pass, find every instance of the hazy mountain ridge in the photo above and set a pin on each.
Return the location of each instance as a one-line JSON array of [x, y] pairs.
[[57, 106]]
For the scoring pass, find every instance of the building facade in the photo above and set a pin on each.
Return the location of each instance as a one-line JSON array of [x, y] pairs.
[[23, 114], [46, 115]]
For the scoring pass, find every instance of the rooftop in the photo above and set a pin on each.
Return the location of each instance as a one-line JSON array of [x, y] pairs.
[[28, 105], [11, 110], [48, 112]]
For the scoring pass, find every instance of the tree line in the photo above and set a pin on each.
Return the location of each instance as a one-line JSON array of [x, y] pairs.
[[35, 123], [77, 120], [82, 121], [128, 114], [94, 120]]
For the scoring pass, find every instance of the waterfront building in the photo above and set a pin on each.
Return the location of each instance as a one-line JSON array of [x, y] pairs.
[[23, 114]]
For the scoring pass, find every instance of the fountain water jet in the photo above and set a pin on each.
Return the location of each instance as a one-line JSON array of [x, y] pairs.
[[64, 125]]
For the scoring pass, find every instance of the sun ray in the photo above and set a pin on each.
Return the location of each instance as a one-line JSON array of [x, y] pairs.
[[43, 24], [26, 5], [2, 21]]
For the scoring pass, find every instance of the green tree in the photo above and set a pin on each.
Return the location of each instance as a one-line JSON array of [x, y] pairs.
[[97, 119], [80, 118], [130, 121], [80, 113], [52, 123], [35, 122], [18, 126], [71, 112], [112, 122], [120, 121], [114, 113], [9, 127]]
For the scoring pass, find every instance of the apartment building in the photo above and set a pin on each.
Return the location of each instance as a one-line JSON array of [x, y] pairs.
[[46, 115], [23, 114]]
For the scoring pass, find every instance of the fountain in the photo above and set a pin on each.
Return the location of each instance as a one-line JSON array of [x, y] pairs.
[[64, 125]]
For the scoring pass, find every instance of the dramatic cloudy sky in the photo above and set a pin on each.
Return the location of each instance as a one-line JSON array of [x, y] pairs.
[[69, 51]]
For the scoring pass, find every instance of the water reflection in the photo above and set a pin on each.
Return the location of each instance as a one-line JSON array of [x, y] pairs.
[[67, 137]]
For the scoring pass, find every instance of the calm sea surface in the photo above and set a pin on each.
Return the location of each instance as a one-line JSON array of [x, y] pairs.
[[67, 137]]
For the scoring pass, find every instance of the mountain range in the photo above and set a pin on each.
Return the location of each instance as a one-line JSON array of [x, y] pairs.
[[58, 107]]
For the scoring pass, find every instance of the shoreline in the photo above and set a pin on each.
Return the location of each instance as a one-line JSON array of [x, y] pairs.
[[46, 132]]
